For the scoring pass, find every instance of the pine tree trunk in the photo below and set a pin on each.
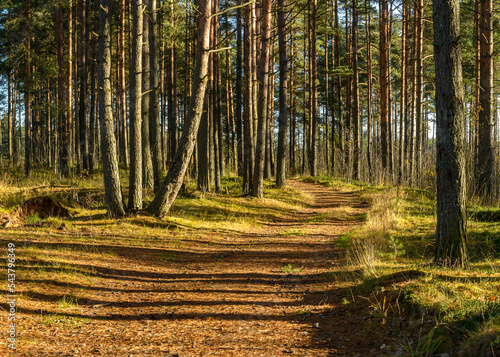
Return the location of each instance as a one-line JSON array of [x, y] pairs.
[[484, 168], [263, 79], [292, 156], [355, 94], [61, 108], [112, 186], [369, 94], [147, 161], [402, 121], [249, 154], [384, 87], [83, 102], [418, 92], [93, 104], [313, 160], [451, 249], [122, 88], [27, 95], [338, 89], [135, 188], [238, 108], [283, 120], [173, 182], [154, 119], [69, 110]]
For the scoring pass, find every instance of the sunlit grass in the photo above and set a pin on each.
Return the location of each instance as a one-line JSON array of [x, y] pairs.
[[399, 240]]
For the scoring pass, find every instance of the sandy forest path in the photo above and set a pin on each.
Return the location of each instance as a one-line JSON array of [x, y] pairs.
[[263, 293]]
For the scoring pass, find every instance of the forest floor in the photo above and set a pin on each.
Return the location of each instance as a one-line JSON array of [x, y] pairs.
[[260, 292], [330, 269]]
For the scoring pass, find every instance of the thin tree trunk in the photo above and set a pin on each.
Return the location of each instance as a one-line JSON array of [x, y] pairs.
[[239, 51], [27, 95], [135, 188], [154, 119], [384, 86], [147, 161], [340, 130], [484, 168], [418, 113], [369, 90], [122, 87], [83, 102], [263, 78], [61, 108], [355, 94], [283, 120], [249, 153], [292, 156]]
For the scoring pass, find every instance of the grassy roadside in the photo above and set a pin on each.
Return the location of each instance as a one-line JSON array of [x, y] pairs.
[[453, 311]]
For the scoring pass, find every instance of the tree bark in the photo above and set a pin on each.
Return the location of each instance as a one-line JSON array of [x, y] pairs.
[[61, 95], [122, 87], [112, 185], [355, 93], [173, 182], [451, 249], [263, 79], [249, 154], [283, 117], [83, 102], [27, 109], [154, 119], [238, 108], [384, 86], [418, 91], [484, 166], [147, 161], [135, 188], [369, 90]]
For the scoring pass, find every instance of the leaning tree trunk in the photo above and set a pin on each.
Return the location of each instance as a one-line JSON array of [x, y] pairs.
[[135, 189], [283, 120], [172, 184], [112, 186], [450, 163]]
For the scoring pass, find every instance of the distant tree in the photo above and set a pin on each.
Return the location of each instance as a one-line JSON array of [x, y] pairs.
[[451, 244]]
